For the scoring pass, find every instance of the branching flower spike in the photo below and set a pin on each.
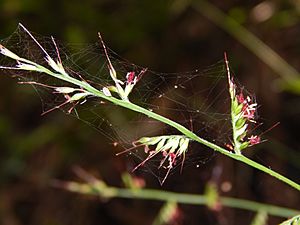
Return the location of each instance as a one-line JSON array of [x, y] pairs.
[[131, 78], [171, 147], [243, 111], [72, 95], [293, 221]]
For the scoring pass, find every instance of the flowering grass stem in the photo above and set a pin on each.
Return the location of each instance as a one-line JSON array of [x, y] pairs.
[[131, 106], [87, 89]]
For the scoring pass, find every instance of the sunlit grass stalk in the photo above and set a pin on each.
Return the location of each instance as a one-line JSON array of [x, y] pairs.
[[87, 89]]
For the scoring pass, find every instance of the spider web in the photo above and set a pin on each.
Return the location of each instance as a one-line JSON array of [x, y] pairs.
[[198, 99]]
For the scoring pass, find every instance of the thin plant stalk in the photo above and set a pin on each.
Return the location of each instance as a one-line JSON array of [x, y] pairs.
[[131, 106], [249, 40], [99, 188], [88, 89]]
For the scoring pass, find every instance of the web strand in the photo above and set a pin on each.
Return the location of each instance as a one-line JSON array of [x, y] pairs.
[[195, 99]]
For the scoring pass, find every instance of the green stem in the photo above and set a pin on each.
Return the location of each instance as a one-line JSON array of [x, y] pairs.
[[258, 166], [131, 106], [167, 196], [179, 127]]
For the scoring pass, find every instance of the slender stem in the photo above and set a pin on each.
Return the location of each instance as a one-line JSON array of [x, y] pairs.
[[193, 199], [258, 166], [131, 106], [250, 41], [179, 127]]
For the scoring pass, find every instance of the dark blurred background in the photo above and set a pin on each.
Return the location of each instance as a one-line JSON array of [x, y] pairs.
[[165, 36]]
